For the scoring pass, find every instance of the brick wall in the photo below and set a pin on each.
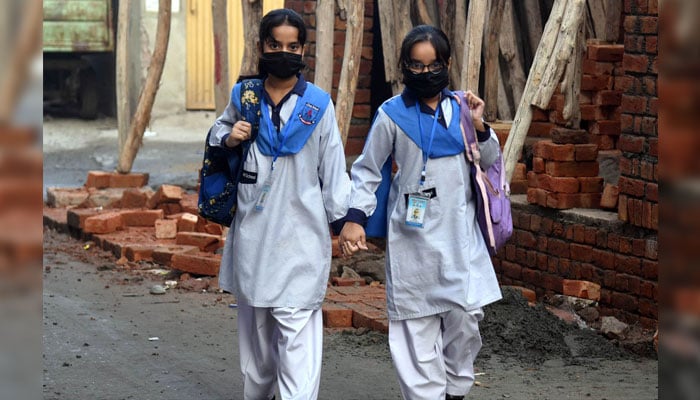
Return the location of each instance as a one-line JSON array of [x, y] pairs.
[[361, 114], [549, 246], [638, 202]]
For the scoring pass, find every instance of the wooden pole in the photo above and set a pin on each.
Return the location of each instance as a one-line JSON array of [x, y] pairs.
[[27, 46], [491, 60], [474, 35], [394, 23], [351, 66], [571, 85], [123, 72], [613, 13], [512, 54], [425, 12], [222, 85], [252, 14], [533, 25], [325, 22], [148, 93], [523, 116]]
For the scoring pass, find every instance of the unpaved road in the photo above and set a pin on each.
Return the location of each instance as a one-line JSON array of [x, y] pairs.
[[98, 319]]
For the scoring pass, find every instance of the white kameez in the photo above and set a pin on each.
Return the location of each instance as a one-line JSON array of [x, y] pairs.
[[281, 256], [444, 265]]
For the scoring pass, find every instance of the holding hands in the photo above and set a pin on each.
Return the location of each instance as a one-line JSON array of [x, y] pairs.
[[352, 239]]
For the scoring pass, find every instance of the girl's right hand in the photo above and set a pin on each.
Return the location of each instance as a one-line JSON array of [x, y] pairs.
[[239, 132], [352, 239]]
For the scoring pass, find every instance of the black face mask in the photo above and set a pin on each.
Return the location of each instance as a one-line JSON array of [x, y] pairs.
[[281, 64], [426, 84]]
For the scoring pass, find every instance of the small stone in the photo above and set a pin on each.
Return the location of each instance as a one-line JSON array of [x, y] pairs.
[[612, 327], [157, 289]]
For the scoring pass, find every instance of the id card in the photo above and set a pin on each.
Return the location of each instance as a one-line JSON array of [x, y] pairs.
[[264, 194], [415, 211]]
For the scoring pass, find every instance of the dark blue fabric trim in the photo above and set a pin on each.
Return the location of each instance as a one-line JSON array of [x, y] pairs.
[[223, 140], [337, 226], [485, 135], [357, 216]]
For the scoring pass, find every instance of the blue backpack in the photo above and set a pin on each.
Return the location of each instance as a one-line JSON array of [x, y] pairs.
[[222, 166]]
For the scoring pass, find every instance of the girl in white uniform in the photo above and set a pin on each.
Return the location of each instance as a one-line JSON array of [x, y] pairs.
[[278, 250], [439, 273]]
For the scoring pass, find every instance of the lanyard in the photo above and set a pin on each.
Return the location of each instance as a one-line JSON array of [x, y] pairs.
[[430, 142], [270, 133]]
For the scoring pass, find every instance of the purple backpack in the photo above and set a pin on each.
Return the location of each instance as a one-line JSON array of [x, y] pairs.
[[491, 191]]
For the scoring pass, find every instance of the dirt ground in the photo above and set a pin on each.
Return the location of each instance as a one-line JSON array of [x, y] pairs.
[[106, 337]]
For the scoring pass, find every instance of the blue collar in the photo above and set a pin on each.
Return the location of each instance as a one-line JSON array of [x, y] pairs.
[[409, 99]]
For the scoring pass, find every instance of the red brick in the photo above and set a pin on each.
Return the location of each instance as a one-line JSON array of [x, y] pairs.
[[361, 111], [103, 223], [624, 302], [595, 68], [596, 82], [635, 63], [650, 269], [591, 184], [97, 179], [539, 115], [627, 264], [187, 222], [573, 200], [163, 254], [133, 180], [141, 217], [610, 196], [605, 128], [76, 217], [581, 289], [634, 104], [605, 52], [540, 129], [170, 208], [364, 316], [133, 198], [633, 187], [551, 151], [581, 252], [592, 112], [166, 229], [528, 294], [586, 152], [165, 194], [336, 316], [574, 169], [558, 248], [340, 281], [652, 45], [520, 172], [139, 252], [538, 164], [631, 144], [204, 241], [604, 142], [537, 196], [558, 184], [648, 24], [608, 98], [196, 264]]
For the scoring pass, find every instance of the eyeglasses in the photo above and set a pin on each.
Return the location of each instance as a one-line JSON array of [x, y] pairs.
[[416, 67]]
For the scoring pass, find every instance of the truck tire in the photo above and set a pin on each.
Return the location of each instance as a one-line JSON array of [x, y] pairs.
[[88, 95]]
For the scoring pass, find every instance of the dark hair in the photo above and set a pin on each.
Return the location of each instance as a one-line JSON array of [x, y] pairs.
[[282, 16], [425, 33]]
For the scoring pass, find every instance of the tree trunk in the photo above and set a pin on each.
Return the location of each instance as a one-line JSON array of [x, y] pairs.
[[222, 86], [325, 21], [123, 72], [491, 60], [512, 54], [351, 66], [394, 23], [148, 93], [252, 14], [474, 35], [26, 47], [523, 116], [425, 12]]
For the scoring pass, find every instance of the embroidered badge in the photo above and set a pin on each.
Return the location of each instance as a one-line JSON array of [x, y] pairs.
[[308, 114]]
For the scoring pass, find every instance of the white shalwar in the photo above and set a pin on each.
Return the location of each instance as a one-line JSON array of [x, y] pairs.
[[434, 273], [277, 261]]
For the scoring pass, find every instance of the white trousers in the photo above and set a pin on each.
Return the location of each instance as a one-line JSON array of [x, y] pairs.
[[435, 355], [280, 347]]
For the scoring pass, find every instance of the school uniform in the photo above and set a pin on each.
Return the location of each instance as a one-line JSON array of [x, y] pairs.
[[278, 251], [438, 275]]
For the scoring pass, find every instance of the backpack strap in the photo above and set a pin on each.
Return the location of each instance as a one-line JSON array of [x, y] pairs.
[[471, 146]]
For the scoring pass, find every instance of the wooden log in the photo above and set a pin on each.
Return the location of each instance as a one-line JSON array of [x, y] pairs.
[[351, 66], [565, 44], [474, 35], [598, 18], [123, 76], [523, 116], [395, 24], [252, 14], [512, 54], [148, 94], [532, 22], [613, 13], [571, 85], [325, 21], [505, 107], [222, 85], [491, 60], [425, 12], [27, 45]]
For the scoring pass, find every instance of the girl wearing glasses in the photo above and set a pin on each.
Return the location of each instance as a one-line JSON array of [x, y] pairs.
[[438, 269]]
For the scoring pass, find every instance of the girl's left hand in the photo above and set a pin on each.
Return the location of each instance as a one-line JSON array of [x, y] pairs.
[[476, 105]]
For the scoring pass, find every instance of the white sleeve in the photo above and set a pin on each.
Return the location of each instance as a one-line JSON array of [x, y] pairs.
[[332, 169], [223, 125]]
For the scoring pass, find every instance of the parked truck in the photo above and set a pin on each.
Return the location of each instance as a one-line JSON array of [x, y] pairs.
[[78, 44]]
